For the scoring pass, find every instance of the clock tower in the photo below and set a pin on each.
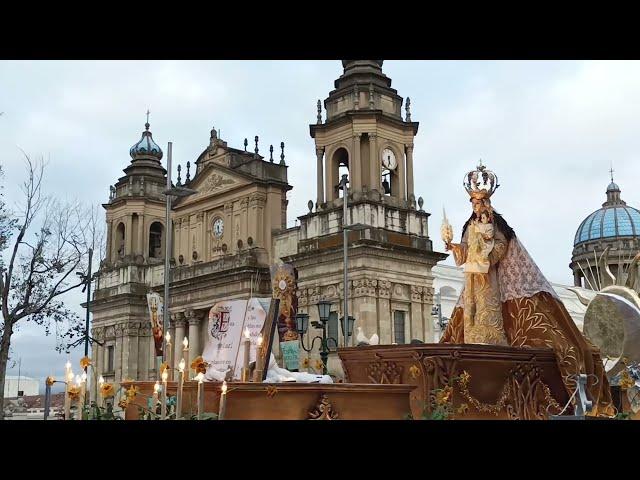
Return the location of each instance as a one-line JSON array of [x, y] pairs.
[[390, 254]]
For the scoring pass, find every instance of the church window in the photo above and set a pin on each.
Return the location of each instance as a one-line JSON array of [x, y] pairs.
[[155, 240], [332, 330], [110, 358], [120, 240], [398, 327]]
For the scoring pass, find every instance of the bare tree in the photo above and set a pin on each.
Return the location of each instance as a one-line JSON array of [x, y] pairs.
[[51, 244]]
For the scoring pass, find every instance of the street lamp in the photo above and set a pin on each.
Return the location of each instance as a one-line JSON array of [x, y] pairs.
[[345, 245], [302, 324], [170, 192]]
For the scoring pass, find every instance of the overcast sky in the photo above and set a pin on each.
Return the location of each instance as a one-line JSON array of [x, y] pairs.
[[550, 130]]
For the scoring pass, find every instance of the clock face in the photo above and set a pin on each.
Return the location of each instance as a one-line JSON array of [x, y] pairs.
[[218, 228], [389, 159]]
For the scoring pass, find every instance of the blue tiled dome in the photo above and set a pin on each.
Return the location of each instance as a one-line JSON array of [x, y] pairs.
[[146, 146], [614, 219]]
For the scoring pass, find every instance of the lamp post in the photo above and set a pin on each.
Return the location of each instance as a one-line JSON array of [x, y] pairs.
[[302, 324], [170, 192], [345, 245], [436, 310]]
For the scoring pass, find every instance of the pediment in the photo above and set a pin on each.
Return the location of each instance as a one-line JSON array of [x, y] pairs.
[[214, 180]]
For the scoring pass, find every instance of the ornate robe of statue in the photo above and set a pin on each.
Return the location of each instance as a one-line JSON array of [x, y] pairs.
[[518, 307], [482, 315]]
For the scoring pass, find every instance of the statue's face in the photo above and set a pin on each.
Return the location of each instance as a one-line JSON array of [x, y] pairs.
[[477, 205]]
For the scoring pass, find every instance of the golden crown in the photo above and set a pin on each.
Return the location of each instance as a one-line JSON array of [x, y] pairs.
[[480, 183]]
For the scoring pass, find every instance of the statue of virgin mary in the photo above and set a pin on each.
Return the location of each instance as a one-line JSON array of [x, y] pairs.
[[513, 303]]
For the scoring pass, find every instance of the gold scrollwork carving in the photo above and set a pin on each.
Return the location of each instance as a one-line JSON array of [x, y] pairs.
[[323, 410], [384, 372]]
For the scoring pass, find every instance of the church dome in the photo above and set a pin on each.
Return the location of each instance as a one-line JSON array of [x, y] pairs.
[[146, 147], [614, 219]]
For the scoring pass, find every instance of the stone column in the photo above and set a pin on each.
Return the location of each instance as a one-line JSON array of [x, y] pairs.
[[576, 279], [119, 365], [356, 165], [374, 162], [410, 185], [384, 317], [320, 176], [427, 303], [179, 321], [417, 327], [194, 335], [402, 178], [141, 236], [132, 333], [110, 243], [128, 235], [328, 180]]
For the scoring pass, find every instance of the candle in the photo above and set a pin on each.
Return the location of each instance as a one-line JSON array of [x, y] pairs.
[[247, 353], [185, 350], [163, 405], [169, 355], [154, 400], [200, 378], [223, 401], [67, 400], [259, 360], [100, 383], [83, 390], [181, 367], [79, 402]]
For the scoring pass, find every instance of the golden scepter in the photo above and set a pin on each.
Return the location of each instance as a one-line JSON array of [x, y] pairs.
[[446, 230]]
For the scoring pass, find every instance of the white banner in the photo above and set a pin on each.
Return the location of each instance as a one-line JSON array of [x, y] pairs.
[[227, 321]]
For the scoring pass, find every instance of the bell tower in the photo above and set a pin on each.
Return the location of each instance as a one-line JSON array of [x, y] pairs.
[[365, 136], [390, 255]]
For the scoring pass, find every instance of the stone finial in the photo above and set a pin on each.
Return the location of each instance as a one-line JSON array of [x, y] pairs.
[[282, 154], [420, 203], [319, 112], [179, 180], [246, 142], [256, 149], [271, 153], [188, 174], [214, 136], [112, 192], [310, 205], [371, 104], [407, 108]]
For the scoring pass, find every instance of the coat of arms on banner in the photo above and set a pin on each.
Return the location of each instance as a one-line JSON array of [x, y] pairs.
[[219, 323]]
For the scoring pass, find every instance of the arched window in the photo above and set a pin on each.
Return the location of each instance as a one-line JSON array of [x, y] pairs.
[[340, 166], [155, 240], [448, 291], [120, 241]]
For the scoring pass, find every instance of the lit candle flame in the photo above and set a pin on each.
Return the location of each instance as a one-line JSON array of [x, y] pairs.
[[156, 387], [70, 376], [224, 387], [247, 334], [260, 340], [168, 337], [101, 380], [68, 365], [181, 365], [185, 342], [200, 377], [165, 376]]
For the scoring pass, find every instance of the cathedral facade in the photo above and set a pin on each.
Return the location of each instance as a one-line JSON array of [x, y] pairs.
[[228, 234]]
